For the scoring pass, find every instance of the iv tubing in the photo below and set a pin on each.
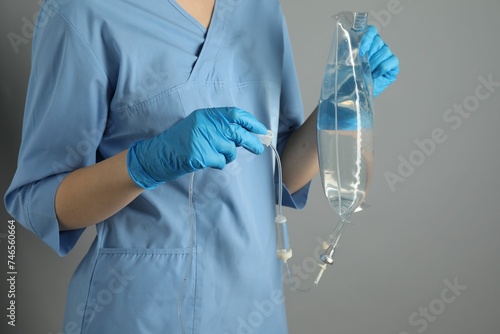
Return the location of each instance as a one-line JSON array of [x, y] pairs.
[[192, 221], [283, 250], [280, 181], [337, 233], [283, 247]]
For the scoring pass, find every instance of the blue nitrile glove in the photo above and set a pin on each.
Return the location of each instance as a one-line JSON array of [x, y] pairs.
[[384, 65], [205, 138]]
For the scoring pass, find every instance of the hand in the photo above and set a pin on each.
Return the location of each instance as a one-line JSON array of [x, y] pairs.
[[205, 138], [384, 65]]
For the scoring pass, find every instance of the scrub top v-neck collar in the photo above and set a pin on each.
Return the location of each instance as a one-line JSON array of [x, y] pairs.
[[213, 35]]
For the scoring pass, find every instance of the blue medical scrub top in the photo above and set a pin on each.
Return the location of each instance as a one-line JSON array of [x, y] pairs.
[[106, 73]]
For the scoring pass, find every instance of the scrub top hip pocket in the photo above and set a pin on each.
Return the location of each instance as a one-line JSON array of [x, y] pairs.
[[137, 291]]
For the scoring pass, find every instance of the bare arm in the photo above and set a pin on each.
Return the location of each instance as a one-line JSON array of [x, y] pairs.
[[91, 194], [300, 155]]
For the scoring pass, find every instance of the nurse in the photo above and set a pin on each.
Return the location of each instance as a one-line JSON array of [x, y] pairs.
[[140, 120]]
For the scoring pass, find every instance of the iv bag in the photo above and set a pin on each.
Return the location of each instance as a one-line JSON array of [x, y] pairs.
[[345, 118]]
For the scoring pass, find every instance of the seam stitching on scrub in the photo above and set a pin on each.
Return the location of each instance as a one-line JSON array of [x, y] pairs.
[[182, 105], [28, 212], [195, 249], [178, 88], [207, 43], [221, 36], [87, 45], [144, 251]]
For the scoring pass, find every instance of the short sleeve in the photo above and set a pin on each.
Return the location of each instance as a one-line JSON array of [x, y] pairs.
[[291, 116], [64, 120]]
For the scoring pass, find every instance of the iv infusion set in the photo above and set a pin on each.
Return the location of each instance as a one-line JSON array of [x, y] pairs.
[[344, 135], [345, 127], [345, 142]]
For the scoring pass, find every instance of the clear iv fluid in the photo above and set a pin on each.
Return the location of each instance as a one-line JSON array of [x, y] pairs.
[[345, 138], [345, 169]]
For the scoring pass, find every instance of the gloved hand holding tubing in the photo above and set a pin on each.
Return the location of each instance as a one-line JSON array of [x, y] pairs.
[[384, 65], [205, 138]]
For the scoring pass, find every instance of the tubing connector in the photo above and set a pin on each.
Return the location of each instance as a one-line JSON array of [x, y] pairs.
[[284, 254], [327, 257], [280, 219], [283, 251], [266, 139], [322, 268]]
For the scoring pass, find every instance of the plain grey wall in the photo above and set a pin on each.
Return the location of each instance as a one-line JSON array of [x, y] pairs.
[[433, 225]]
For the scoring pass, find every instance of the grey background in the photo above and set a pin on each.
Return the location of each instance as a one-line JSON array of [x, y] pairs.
[[440, 224]]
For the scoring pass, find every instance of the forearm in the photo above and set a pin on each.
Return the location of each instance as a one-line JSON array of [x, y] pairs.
[[92, 194], [300, 155]]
